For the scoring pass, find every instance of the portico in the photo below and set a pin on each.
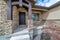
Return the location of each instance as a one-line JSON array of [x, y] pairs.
[[22, 13]]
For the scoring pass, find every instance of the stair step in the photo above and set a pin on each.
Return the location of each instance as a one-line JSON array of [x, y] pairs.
[[20, 28]]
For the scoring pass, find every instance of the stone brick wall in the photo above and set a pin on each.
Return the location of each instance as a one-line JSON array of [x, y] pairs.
[[15, 16], [5, 25], [29, 22], [3, 12]]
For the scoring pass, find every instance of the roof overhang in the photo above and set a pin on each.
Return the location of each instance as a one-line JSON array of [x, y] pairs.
[[50, 7]]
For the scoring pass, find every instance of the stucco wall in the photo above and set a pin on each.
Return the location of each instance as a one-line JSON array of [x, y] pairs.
[[52, 14], [52, 23]]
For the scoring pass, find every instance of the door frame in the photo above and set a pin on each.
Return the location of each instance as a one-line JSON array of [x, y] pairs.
[[20, 14], [24, 10]]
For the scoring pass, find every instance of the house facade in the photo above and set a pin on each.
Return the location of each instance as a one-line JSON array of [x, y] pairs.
[[19, 13], [24, 13]]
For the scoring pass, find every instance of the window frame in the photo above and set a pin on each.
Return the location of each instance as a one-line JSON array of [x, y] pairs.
[[37, 16]]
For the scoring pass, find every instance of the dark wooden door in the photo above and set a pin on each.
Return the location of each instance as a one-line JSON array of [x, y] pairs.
[[22, 18]]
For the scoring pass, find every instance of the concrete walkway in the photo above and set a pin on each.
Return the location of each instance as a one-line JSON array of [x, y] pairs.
[[21, 35], [24, 34]]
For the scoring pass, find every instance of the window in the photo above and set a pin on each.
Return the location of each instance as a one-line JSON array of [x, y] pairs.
[[35, 17]]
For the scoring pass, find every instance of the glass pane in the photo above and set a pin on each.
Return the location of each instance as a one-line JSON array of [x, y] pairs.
[[35, 17]]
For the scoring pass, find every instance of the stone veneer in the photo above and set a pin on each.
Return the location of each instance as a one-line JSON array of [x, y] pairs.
[[15, 17], [3, 12], [5, 25]]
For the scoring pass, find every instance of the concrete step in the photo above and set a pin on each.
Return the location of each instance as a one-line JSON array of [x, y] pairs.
[[20, 28], [23, 35]]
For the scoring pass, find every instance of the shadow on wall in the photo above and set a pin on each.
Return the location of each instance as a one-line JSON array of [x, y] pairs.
[[44, 17]]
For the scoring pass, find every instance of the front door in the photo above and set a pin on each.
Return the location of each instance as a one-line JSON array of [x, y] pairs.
[[22, 18]]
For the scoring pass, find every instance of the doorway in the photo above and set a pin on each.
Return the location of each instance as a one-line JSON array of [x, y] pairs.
[[22, 18]]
